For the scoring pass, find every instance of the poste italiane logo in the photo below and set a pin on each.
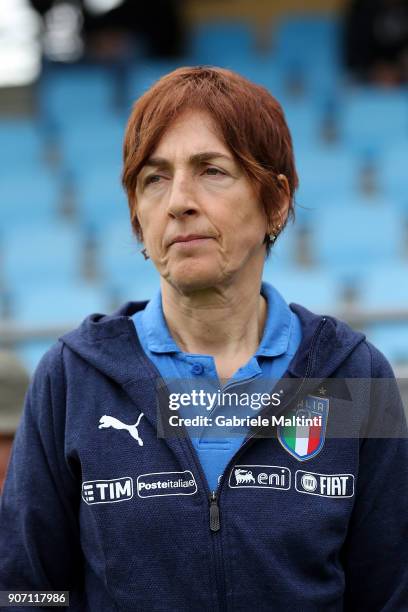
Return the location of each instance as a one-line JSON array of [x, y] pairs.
[[158, 484]]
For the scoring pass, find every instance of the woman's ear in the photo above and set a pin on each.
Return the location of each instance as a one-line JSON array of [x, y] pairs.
[[284, 183], [135, 221], [278, 218]]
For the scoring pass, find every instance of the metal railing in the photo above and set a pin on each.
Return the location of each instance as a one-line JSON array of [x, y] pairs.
[[13, 335]]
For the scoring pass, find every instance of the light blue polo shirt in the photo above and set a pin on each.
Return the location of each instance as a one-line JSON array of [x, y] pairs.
[[280, 341]]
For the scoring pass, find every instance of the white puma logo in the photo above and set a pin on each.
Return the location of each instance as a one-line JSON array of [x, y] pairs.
[[109, 421]]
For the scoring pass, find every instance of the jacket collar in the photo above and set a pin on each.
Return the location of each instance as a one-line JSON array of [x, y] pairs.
[[110, 344], [335, 343]]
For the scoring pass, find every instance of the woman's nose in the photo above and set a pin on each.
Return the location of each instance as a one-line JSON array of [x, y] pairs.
[[182, 200]]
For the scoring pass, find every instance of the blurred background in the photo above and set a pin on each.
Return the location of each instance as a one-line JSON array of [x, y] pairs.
[[69, 73]]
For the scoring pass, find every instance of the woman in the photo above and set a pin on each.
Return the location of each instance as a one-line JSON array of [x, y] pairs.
[[105, 499]]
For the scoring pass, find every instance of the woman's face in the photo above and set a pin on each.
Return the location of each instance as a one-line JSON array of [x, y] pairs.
[[202, 223]]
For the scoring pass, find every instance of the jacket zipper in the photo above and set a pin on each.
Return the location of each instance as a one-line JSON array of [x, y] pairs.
[[215, 524], [214, 512]]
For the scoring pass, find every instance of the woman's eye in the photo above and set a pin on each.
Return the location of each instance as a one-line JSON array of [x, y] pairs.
[[153, 178], [214, 172]]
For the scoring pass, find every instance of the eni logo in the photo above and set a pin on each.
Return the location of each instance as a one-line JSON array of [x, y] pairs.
[[109, 421], [260, 477]]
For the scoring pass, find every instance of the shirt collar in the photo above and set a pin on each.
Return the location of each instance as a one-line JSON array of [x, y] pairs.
[[159, 339], [275, 340]]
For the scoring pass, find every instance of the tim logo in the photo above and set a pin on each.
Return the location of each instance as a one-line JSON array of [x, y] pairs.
[[107, 491], [260, 477]]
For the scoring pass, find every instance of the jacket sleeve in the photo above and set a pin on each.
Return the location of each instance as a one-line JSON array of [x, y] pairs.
[[376, 549], [39, 533]]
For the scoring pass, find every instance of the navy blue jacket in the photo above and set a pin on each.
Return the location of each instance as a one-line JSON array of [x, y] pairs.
[[124, 520]]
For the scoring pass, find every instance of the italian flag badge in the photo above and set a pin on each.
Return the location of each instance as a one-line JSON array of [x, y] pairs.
[[303, 432]]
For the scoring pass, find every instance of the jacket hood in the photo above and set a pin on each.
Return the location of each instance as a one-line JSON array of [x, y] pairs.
[[110, 344]]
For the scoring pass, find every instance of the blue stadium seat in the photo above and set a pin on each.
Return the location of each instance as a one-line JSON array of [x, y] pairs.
[[357, 237], [314, 289], [263, 71], [119, 247], [22, 145], [327, 176], [307, 36], [35, 256], [393, 176], [89, 144], [304, 121], [29, 194], [222, 43], [141, 285], [125, 269], [73, 92], [309, 80], [386, 286], [307, 47], [392, 340], [375, 118], [101, 199], [59, 304]]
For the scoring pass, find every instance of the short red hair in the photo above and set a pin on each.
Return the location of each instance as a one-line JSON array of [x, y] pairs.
[[250, 120]]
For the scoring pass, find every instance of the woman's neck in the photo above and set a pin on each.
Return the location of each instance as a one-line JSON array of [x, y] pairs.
[[227, 323]]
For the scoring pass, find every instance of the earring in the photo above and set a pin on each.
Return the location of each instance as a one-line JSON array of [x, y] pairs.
[[275, 233], [144, 253]]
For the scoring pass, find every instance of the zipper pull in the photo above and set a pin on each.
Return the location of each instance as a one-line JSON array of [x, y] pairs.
[[214, 513]]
